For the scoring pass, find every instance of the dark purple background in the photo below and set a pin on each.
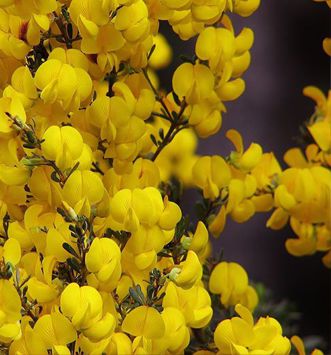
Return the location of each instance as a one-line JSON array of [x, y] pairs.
[[286, 56]]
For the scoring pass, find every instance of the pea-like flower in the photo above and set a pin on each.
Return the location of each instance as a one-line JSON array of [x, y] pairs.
[[84, 307], [240, 335], [83, 190], [10, 306], [195, 82], [63, 83], [11, 252], [53, 331], [132, 21], [64, 145], [188, 272], [230, 281], [243, 160], [245, 7], [104, 260], [41, 286], [194, 303], [211, 174], [198, 241], [143, 207], [144, 321]]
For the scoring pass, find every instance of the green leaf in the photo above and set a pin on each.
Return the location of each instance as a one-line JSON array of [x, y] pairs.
[[74, 264], [153, 139], [136, 295], [181, 228], [176, 98], [70, 249], [161, 133]]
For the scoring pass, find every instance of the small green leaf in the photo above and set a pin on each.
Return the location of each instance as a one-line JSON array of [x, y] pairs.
[[73, 263], [136, 295], [161, 133], [176, 98], [153, 139], [70, 249]]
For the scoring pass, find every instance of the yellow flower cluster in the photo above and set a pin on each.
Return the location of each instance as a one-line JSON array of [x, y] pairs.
[[239, 335], [303, 193], [96, 256]]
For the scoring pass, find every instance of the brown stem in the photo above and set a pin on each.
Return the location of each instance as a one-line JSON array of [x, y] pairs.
[[63, 30], [176, 126], [157, 95]]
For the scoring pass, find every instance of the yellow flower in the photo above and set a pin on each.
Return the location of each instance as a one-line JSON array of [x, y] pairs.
[[14, 175], [177, 335], [207, 11], [14, 106], [205, 117], [162, 53], [89, 15], [194, 82], [84, 307], [103, 259], [121, 122], [211, 174], [184, 24], [194, 303], [53, 330], [83, 190], [239, 203], [106, 51], [120, 343], [244, 160], [10, 307], [143, 207], [188, 272], [22, 86], [321, 132], [306, 243], [230, 281], [300, 347], [41, 286], [11, 251], [266, 171], [205, 47], [144, 321], [300, 193], [144, 173], [16, 33], [239, 335], [217, 223], [63, 83], [132, 21], [249, 298], [318, 96], [245, 7], [198, 242], [64, 145]]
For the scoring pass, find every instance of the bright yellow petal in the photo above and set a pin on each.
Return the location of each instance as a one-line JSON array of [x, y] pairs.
[[144, 321]]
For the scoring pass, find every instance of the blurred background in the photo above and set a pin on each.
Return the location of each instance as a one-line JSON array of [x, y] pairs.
[[287, 55]]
